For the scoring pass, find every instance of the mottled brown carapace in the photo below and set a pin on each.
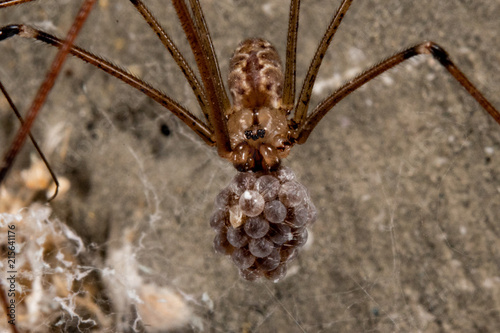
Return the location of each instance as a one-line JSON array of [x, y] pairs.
[[257, 122]]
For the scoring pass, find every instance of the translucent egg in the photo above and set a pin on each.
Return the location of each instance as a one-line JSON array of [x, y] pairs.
[[260, 247], [277, 274], [312, 213], [288, 253], [270, 262], [275, 211], [221, 245], [285, 174], [237, 237], [268, 186], [250, 274], [218, 219], [224, 198], [256, 227], [299, 216], [243, 181], [280, 234], [300, 237], [251, 203], [242, 258], [292, 193]]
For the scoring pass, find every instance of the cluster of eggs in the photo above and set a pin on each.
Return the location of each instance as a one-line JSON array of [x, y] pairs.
[[261, 220]]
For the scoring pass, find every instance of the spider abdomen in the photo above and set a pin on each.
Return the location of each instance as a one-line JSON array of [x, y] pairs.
[[256, 77]]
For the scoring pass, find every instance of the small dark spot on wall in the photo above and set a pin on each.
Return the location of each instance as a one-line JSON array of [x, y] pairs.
[[68, 73], [165, 130]]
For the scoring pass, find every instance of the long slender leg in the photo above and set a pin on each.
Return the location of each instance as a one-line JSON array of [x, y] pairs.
[[7, 3], [188, 118], [305, 93], [209, 51], [39, 100], [430, 48], [37, 147], [179, 59], [45, 88], [291, 55], [208, 76]]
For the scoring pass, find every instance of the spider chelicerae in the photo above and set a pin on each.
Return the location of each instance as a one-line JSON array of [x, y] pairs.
[[258, 220]]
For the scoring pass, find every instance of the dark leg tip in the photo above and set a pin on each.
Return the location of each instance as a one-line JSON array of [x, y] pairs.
[[440, 54], [9, 31]]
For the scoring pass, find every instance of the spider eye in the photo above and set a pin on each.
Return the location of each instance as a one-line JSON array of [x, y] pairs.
[[249, 134]]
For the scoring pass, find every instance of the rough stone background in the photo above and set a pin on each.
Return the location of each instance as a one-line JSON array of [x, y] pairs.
[[405, 172]]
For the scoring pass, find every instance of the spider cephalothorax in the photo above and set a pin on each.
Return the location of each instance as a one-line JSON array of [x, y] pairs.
[[257, 122]]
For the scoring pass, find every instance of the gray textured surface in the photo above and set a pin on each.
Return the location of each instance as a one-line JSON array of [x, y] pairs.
[[405, 173]]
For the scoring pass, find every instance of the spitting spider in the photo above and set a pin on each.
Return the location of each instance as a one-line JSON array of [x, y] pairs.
[[261, 217]]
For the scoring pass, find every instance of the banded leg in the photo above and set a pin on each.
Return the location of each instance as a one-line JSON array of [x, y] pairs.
[[429, 48]]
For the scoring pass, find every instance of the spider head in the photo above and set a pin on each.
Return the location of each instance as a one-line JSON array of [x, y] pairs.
[[259, 138]]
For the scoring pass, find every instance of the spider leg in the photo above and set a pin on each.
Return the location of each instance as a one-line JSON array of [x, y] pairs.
[[291, 55], [176, 54], [429, 48], [7, 3], [207, 64], [208, 47], [307, 86], [38, 102], [37, 147], [45, 88], [188, 118]]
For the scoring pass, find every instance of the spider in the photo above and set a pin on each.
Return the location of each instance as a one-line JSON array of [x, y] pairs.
[[257, 130], [346, 267]]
